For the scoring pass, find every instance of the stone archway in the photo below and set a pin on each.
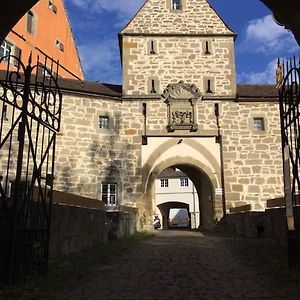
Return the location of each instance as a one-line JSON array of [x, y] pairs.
[[164, 209], [205, 185]]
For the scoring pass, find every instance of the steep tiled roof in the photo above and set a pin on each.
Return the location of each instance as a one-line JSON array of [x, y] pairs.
[[91, 87], [257, 91], [171, 173], [78, 86], [115, 91]]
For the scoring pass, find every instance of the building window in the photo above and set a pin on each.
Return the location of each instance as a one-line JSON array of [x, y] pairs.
[[103, 122], [109, 193], [18, 54], [208, 87], [153, 90], [258, 124], [6, 49], [60, 45], [164, 183], [176, 5], [184, 182], [152, 47], [207, 48], [52, 6], [30, 22]]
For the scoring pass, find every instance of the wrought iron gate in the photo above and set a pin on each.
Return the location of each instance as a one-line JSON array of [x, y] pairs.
[[30, 111], [289, 97]]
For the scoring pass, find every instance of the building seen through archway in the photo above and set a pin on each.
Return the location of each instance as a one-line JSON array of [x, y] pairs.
[[174, 190]]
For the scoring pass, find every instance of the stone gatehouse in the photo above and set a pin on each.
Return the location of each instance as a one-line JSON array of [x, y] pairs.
[[179, 106], [179, 98]]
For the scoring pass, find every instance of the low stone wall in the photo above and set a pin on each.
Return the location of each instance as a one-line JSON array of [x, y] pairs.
[[79, 223], [249, 223], [270, 224], [122, 223], [76, 228], [276, 226]]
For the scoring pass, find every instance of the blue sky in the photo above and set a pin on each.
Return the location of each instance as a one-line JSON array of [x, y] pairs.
[[96, 24]]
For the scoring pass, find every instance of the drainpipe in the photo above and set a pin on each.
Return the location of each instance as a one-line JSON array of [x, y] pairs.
[[194, 204], [219, 140]]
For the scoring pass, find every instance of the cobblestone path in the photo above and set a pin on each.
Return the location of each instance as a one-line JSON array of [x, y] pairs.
[[180, 265]]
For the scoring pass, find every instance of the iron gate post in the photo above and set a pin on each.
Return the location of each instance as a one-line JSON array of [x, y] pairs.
[[17, 191], [288, 82], [26, 180]]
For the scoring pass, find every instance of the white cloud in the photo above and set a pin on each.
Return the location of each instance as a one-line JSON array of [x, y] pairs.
[[101, 61], [265, 29], [267, 76], [265, 36], [124, 8]]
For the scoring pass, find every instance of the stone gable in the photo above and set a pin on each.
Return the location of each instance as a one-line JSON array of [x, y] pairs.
[[196, 17]]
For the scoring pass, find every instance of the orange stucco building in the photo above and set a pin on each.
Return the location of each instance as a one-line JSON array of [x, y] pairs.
[[44, 31]]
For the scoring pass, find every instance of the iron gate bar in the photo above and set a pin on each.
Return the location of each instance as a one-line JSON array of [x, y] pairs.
[[26, 187], [289, 100]]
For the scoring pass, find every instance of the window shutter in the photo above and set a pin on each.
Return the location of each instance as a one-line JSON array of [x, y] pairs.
[[30, 22], [18, 53]]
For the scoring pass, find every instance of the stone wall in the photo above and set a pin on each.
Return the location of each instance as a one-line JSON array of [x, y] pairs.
[[270, 224], [252, 159], [178, 58], [76, 228], [157, 118], [196, 16], [122, 223], [88, 156], [192, 44], [79, 223]]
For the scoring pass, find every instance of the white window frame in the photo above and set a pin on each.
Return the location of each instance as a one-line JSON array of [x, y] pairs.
[[110, 197], [184, 182], [7, 48], [164, 183], [103, 122]]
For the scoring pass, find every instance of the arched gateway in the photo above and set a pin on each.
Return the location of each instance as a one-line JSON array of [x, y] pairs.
[[210, 205], [197, 156]]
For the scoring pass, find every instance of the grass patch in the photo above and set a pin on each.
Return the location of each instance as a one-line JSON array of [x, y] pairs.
[[70, 266]]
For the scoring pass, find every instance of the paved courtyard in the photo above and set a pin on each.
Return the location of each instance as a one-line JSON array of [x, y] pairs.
[[181, 265]]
